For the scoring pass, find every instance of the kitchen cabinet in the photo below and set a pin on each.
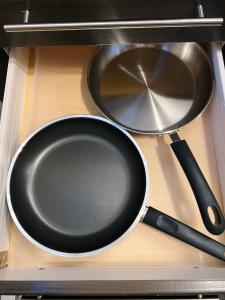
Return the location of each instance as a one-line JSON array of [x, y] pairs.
[[43, 83], [3, 70], [67, 11]]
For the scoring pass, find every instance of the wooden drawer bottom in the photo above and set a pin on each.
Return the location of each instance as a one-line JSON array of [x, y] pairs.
[[56, 86], [44, 83]]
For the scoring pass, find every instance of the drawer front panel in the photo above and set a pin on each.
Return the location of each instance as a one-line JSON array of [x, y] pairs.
[[45, 12]]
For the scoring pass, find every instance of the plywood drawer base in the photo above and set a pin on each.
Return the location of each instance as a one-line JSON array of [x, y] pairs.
[[44, 83]]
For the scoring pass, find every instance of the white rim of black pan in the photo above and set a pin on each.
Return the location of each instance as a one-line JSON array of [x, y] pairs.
[[139, 217]]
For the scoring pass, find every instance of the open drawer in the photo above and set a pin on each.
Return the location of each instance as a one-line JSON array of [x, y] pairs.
[[44, 83]]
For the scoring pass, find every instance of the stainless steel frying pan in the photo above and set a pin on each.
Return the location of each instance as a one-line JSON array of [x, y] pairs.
[[157, 89]]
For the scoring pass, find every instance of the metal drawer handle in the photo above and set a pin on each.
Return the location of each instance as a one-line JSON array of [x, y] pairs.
[[132, 24]]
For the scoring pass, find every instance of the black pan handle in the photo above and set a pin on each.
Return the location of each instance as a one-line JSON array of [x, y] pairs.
[[203, 194], [185, 233]]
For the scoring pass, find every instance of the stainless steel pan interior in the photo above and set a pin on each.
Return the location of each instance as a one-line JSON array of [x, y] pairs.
[[156, 89], [153, 88]]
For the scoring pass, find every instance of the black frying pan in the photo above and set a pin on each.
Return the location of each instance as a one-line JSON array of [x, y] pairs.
[[79, 184]]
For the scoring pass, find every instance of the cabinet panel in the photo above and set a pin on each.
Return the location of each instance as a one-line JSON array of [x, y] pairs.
[[58, 11], [3, 69]]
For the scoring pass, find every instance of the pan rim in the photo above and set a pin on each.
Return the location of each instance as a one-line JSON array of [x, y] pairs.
[[157, 46], [139, 216]]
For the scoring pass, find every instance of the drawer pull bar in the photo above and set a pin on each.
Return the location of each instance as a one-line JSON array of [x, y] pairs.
[[133, 24]]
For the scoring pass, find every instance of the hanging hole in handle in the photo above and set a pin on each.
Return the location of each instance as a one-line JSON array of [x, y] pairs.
[[214, 216]]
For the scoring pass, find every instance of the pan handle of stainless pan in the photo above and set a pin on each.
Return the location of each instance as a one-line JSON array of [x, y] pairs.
[[205, 198], [185, 233]]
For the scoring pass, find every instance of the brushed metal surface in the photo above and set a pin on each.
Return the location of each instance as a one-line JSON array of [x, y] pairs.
[[151, 88], [122, 24], [112, 287], [123, 280]]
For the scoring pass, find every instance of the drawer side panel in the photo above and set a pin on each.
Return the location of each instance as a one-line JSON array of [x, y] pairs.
[[9, 129]]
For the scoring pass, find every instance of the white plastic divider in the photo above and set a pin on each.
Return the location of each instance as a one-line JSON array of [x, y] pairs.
[[12, 109], [217, 113]]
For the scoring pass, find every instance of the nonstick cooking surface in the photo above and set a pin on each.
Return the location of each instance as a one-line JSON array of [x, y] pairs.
[[78, 185]]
